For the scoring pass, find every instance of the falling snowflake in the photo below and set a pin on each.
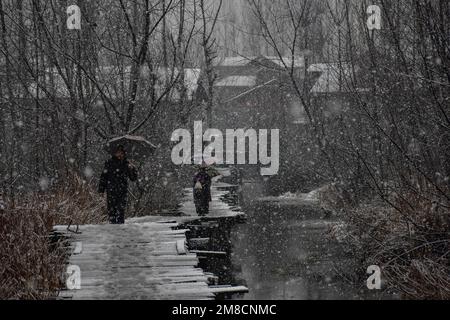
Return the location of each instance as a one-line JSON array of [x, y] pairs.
[[88, 172], [44, 183]]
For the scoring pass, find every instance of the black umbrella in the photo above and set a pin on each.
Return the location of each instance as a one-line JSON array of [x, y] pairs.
[[135, 147]]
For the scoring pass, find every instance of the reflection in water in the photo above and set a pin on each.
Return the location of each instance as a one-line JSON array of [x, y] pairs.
[[279, 253], [283, 261], [283, 254], [215, 236]]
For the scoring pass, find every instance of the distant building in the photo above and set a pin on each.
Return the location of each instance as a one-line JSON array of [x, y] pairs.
[[253, 92], [332, 86], [114, 83], [257, 93]]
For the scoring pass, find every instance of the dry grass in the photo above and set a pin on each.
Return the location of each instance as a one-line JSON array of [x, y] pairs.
[[32, 261], [30, 264], [411, 242], [76, 202], [152, 198]]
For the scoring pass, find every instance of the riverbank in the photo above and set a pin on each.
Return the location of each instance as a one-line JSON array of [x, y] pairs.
[[284, 251], [34, 257]]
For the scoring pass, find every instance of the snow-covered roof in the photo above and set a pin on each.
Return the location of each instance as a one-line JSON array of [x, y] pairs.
[[237, 81], [298, 62], [165, 75], [235, 61], [240, 61], [53, 82], [332, 77], [110, 78]]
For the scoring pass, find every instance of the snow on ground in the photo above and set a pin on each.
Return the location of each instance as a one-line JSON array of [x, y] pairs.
[[311, 198]]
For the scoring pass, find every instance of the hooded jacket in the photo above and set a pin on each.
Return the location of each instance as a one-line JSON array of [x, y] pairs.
[[115, 175]]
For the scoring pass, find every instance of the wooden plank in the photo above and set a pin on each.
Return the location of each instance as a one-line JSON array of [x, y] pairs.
[[145, 272], [228, 289], [135, 261], [181, 247], [149, 281], [146, 259], [200, 252], [92, 265]]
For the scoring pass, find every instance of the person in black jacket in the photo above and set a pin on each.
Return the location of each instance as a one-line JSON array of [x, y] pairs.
[[114, 181], [202, 191]]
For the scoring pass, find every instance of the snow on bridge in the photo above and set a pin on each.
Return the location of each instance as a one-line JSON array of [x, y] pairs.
[[145, 259]]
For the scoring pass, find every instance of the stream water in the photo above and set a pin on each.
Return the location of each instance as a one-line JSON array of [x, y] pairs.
[[283, 254], [280, 252]]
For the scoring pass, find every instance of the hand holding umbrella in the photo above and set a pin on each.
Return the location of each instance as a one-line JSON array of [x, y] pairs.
[[136, 147]]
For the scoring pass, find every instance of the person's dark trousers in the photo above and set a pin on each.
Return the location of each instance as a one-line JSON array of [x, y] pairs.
[[116, 209], [206, 207], [202, 208], [202, 205]]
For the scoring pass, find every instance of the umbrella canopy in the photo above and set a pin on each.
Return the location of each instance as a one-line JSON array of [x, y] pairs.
[[208, 161], [136, 147]]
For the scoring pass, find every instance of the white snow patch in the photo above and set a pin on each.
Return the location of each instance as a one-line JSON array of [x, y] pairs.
[[237, 81], [88, 172], [312, 196], [44, 183]]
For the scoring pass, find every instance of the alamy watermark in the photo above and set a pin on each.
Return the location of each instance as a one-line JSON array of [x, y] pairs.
[[230, 148], [73, 280], [374, 20], [374, 281], [74, 17]]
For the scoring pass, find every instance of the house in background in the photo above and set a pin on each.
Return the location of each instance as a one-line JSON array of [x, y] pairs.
[[253, 92], [332, 87], [171, 88], [257, 93], [176, 87]]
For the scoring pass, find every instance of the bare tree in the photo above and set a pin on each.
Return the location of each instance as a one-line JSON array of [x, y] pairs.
[[208, 43]]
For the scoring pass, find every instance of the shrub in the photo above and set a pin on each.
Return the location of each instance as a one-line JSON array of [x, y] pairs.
[[409, 240], [32, 258]]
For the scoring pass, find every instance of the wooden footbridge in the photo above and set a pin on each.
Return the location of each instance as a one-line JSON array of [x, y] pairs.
[[147, 258]]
